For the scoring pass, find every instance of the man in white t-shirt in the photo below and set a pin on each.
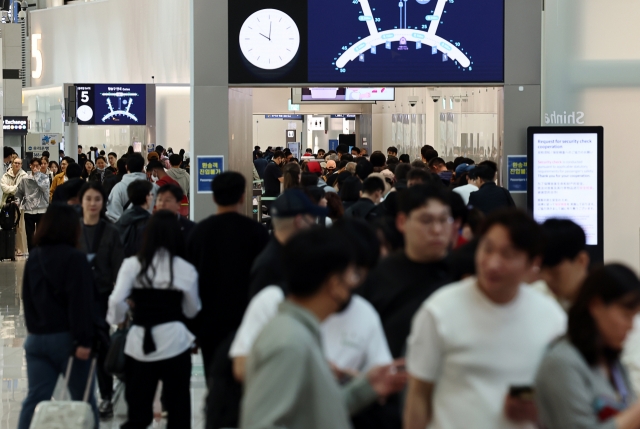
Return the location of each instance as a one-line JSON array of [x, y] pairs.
[[472, 341], [353, 339]]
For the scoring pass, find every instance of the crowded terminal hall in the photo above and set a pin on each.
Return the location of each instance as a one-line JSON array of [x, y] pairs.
[[308, 215]]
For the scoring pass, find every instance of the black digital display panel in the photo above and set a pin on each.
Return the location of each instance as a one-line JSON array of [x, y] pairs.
[[366, 41], [111, 104]]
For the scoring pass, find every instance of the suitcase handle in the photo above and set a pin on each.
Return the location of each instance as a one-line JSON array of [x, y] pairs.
[[67, 376]]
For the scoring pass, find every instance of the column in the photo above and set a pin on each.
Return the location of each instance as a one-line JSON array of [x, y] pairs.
[[220, 116], [522, 79]]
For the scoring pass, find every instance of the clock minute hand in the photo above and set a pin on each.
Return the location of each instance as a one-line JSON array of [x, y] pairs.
[[270, 30]]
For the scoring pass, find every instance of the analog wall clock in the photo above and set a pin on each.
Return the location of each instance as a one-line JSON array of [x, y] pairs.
[[269, 39]]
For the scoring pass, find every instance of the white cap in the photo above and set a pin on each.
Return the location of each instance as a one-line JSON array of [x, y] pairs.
[[186, 156]]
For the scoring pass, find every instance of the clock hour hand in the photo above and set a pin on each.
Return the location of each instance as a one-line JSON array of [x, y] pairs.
[[265, 36]]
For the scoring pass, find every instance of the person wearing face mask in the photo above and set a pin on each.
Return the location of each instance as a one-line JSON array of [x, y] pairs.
[[356, 319], [100, 241], [32, 194], [581, 382], [287, 356], [161, 178], [100, 173], [476, 345]]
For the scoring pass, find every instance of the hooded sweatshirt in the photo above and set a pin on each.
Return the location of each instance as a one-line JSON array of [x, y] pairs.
[[131, 227], [118, 197], [182, 177]]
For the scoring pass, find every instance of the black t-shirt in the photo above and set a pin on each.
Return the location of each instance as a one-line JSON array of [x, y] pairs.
[[267, 270], [397, 287], [272, 173], [223, 248]]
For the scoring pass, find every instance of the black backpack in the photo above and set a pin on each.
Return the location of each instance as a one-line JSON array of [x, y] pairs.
[[9, 215], [132, 237]]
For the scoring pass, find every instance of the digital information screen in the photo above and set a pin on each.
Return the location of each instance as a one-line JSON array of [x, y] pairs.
[[360, 41], [565, 177], [348, 94], [115, 104]]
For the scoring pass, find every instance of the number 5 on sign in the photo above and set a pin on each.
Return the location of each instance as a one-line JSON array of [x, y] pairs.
[[35, 53]]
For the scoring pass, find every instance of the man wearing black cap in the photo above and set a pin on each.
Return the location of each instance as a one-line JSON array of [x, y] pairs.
[[291, 213]]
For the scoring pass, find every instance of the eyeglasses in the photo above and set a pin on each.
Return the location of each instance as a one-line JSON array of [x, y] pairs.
[[432, 221]]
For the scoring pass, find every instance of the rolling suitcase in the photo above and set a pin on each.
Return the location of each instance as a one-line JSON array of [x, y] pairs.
[[66, 414], [7, 244]]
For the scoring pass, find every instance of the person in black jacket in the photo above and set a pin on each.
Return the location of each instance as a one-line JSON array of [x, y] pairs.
[[100, 172], [490, 196], [100, 241], [364, 208], [134, 219], [60, 311], [168, 198]]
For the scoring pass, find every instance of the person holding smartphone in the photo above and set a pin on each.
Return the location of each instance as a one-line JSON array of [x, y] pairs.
[[475, 346], [581, 382]]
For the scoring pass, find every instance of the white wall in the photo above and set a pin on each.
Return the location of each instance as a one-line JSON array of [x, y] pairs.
[[125, 41], [173, 107], [598, 72]]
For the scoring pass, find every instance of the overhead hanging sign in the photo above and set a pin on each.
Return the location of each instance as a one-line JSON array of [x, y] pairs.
[[112, 104]]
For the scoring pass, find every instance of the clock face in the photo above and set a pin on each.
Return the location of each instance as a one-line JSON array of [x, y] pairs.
[[85, 113], [269, 39]]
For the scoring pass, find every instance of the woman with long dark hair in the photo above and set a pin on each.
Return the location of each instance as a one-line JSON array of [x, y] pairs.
[[163, 289], [291, 175], [581, 382], [89, 167], [60, 311], [100, 241]]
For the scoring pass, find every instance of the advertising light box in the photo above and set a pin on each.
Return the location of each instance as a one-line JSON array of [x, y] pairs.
[[111, 104], [565, 178], [15, 125], [366, 41]]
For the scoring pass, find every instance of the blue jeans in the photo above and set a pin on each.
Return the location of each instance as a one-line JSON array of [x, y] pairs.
[[47, 358]]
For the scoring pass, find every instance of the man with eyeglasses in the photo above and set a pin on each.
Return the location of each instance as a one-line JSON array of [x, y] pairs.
[[401, 282]]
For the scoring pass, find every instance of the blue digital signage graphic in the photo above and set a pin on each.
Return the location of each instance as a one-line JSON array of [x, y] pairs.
[[405, 41], [120, 105], [117, 104]]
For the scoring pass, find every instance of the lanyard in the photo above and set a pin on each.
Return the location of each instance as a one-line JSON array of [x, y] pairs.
[[618, 381]]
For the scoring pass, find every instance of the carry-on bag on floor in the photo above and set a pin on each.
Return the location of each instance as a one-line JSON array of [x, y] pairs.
[[66, 414], [7, 244]]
